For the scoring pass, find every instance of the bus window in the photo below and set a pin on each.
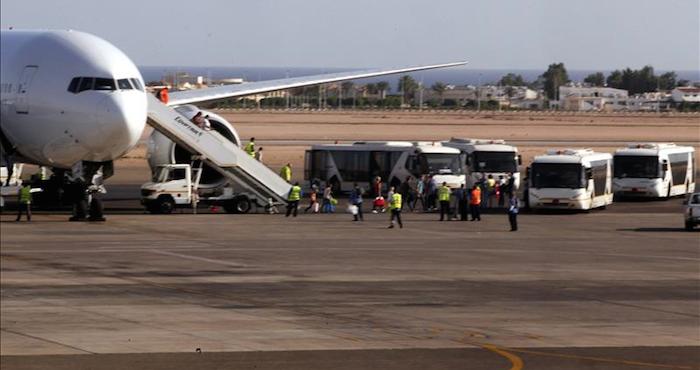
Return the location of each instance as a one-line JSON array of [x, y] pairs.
[[435, 163], [558, 175], [351, 165], [495, 162], [378, 165], [318, 165], [645, 167]]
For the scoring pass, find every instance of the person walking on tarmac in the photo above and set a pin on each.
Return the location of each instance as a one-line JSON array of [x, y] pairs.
[[286, 172], [475, 203], [293, 199], [443, 193], [395, 207], [513, 210], [356, 200], [25, 202], [250, 147]]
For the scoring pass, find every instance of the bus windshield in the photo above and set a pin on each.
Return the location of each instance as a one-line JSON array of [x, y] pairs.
[[494, 162], [646, 167], [557, 175], [435, 163]]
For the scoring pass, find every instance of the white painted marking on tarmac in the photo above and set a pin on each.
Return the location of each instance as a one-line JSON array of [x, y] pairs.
[[195, 258], [10, 250]]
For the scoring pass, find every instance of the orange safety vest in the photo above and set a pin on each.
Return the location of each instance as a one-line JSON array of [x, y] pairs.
[[476, 197]]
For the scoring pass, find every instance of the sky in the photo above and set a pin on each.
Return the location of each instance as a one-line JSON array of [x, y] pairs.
[[495, 34]]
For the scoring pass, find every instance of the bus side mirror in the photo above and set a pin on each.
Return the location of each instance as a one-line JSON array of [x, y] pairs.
[[664, 167], [520, 159], [589, 173]]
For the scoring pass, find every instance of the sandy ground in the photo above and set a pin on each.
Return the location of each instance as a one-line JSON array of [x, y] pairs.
[[286, 135]]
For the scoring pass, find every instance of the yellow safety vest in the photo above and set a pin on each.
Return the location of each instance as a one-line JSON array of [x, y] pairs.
[[286, 173], [295, 193], [250, 149], [25, 195], [444, 194], [395, 201]]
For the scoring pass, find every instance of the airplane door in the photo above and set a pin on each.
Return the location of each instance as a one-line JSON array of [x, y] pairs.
[[25, 81]]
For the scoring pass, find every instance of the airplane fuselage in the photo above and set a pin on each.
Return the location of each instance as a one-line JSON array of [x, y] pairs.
[[68, 96]]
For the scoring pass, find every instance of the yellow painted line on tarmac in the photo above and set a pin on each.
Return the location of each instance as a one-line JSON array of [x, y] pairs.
[[602, 359], [516, 362]]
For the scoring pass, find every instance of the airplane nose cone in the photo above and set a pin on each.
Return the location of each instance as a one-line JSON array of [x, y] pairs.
[[121, 117]]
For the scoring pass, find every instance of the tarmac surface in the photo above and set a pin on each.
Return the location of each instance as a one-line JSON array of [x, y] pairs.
[[610, 289]]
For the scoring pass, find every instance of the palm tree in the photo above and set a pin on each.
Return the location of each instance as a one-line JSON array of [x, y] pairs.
[[439, 88], [408, 86], [371, 88], [383, 87]]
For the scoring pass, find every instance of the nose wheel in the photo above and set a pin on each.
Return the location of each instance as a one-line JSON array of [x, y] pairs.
[[88, 205]]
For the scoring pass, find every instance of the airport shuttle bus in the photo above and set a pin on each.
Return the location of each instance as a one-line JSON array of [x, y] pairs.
[[341, 165], [577, 179], [654, 170], [487, 157]]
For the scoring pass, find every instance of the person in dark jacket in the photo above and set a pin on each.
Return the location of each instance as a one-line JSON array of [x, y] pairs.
[[513, 210]]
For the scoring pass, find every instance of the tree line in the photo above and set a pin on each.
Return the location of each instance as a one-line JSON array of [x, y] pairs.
[[346, 94]]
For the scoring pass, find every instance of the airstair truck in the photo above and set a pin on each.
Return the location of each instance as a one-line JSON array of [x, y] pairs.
[[177, 186], [246, 180]]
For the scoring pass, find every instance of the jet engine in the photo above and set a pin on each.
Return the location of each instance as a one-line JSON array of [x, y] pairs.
[[162, 150]]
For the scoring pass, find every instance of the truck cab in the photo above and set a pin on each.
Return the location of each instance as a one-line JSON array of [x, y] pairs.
[[173, 185], [177, 186]]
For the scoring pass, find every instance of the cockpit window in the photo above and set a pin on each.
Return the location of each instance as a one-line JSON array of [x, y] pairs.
[[80, 84], [104, 84], [136, 83], [86, 84], [73, 87], [124, 84]]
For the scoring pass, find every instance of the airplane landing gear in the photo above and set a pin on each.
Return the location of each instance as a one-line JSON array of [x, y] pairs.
[[88, 206]]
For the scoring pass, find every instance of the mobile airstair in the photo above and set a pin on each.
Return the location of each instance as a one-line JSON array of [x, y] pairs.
[[219, 153]]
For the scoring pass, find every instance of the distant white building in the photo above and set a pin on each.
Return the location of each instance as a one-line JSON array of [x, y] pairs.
[[686, 94], [592, 98]]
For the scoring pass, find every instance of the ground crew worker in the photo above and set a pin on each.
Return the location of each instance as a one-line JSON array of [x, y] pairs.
[[250, 148], [25, 202], [490, 190], [395, 207], [475, 203], [443, 193], [259, 155], [286, 172], [513, 210], [293, 199]]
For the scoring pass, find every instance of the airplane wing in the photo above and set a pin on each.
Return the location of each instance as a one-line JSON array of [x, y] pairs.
[[252, 88]]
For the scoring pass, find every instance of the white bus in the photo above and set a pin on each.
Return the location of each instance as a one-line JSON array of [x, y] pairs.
[[654, 170], [341, 165], [488, 157], [578, 179]]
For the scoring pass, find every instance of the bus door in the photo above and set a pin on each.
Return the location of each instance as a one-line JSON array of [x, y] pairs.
[[599, 174]]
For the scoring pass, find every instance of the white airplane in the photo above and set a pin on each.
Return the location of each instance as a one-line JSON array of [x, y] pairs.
[[74, 102]]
